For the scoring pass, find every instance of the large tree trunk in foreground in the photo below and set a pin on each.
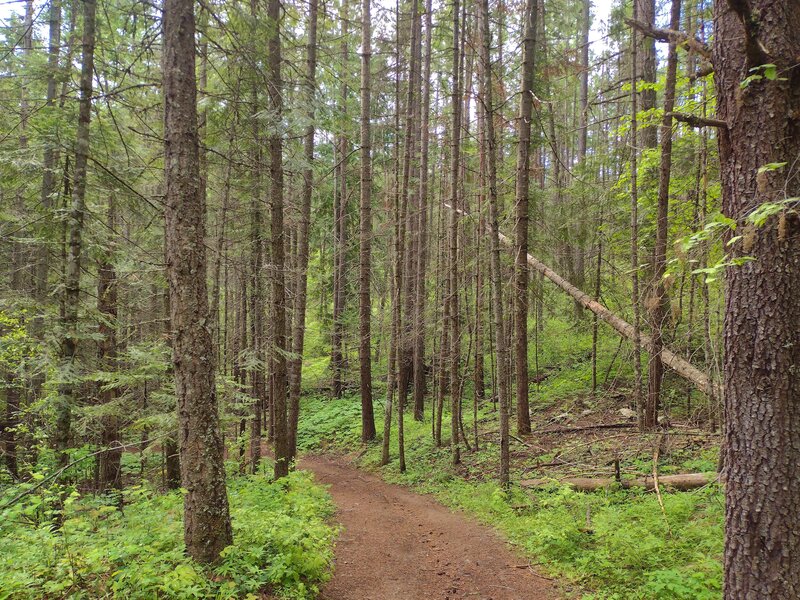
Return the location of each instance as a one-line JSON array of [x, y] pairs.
[[762, 337], [207, 526], [365, 235]]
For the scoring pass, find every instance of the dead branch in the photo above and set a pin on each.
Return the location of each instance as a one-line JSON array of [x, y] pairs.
[[670, 35], [696, 121]]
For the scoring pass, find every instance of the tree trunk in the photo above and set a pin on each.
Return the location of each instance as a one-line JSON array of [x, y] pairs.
[[658, 302], [646, 54], [422, 256], [301, 284], [501, 345], [636, 330], [275, 88], [256, 309], [521, 221], [110, 460], [207, 527], [762, 340], [72, 282], [365, 234], [51, 153], [455, 166], [340, 224]]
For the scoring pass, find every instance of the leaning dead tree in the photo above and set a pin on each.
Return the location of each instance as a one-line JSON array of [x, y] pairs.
[[680, 365]]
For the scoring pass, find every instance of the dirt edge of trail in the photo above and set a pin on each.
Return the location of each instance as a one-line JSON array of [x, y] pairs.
[[399, 545]]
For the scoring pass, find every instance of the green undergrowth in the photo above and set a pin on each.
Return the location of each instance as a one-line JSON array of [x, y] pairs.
[[616, 544], [132, 546]]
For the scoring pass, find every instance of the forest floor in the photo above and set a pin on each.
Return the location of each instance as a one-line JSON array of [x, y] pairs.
[[399, 545], [615, 543]]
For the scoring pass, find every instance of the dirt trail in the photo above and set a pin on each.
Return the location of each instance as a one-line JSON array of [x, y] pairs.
[[398, 545]]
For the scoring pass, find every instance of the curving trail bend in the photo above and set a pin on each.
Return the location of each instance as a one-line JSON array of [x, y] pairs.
[[398, 545]]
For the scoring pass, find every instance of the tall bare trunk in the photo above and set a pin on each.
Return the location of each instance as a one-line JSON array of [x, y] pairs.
[[109, 467], [658, 303], [637, 336], [455, 167], [521, 221], [207, 527], [279, 374], [365, 234], [501, 345], [72, 282], [340, 223], [51, 153], [301, 284], [422, 226]]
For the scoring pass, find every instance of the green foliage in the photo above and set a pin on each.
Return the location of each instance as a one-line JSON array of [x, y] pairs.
[[327, 421], [768, 71], [131, 546]]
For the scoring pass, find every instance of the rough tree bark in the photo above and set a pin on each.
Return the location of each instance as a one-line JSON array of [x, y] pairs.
[[279, 373], [521, 221], [761, 336], [207, 527], [637, 336], [365, 234]]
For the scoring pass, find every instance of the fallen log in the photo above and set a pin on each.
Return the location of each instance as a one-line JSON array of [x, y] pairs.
[[678, 364], [587, 428], [683, 482]]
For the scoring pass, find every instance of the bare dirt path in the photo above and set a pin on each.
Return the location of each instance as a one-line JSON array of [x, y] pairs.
[[398, 545]]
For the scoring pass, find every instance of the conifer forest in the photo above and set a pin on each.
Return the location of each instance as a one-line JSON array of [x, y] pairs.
[[400, 299]]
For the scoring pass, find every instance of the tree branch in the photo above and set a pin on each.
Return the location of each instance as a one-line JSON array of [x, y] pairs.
[[670, 35], [696, 121]]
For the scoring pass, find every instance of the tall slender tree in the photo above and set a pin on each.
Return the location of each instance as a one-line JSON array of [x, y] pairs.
[[455, 168], [501, 340], [280, 348], [521, 219], [658, 302], [365, 233], [75, 221], [207, 526], [301, 284]]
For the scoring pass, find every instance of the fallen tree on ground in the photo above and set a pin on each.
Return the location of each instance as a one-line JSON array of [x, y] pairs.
[[683, 482]]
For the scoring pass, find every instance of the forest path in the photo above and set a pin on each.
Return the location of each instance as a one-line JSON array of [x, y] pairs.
[[398, 545]]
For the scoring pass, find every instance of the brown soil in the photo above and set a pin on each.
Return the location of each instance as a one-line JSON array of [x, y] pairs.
[[398, 545]]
